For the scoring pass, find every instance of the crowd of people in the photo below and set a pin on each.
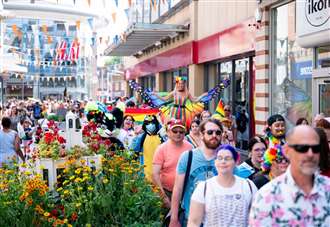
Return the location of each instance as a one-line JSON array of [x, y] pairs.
[[198, 169]]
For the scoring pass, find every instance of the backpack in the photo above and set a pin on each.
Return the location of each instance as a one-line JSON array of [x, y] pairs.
[[37, 112]]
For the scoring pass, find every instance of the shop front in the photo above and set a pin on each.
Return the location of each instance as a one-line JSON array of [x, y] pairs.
[[232, 58], [300, 56], [313, 31]]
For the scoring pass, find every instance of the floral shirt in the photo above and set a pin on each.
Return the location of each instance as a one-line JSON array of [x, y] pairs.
[[282, 203]]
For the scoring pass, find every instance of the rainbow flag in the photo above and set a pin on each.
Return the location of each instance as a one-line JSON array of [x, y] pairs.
[[139, 114], [219, 111]]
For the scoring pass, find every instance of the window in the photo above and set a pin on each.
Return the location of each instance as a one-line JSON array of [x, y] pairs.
[[323, 56], [291, 68]]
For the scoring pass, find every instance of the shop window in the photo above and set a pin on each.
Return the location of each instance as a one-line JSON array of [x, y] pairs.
[[323, 56], [292, 66], [169, 78]]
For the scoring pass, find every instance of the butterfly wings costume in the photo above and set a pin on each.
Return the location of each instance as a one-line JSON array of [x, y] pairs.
[[179, 107]]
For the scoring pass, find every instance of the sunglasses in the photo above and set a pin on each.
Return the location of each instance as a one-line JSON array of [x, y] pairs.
[[281, 160], [227, 110], [178, 131], [210, 132], [304, 148]]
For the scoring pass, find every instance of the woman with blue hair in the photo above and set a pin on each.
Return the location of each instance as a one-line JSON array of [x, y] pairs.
[[225, 199]]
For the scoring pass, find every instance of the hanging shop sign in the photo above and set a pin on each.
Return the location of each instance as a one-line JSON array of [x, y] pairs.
[[313, 22]]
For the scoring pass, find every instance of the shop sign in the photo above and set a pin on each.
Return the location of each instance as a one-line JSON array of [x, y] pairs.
[[302, 70], [317, 12], [313, 18]]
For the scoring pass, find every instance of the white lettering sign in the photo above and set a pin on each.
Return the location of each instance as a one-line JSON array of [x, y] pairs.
[[317, 12], [313, 22]]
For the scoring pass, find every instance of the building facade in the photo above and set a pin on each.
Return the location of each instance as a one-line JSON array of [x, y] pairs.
[[292, 66], [53, 46], [273, 66]]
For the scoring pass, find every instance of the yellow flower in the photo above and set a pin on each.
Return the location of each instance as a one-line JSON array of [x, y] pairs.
[[77, 180], [65, 182], [59, 189], [90, 188], [42, 167], [23, 165], [79, 188], [65, 220], [78, 205], [77, 171], [69, 225], [88, 225], [105, 181], [27, 173], [46, 214], [72, 177], [66, 192]]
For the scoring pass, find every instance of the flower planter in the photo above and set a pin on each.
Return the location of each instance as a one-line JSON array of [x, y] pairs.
[[50, 168]]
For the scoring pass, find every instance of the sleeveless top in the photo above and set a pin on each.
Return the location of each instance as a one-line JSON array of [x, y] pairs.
[[7, 148]]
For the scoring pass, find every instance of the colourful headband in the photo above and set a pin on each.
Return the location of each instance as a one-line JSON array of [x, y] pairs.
[[270, 155], [180, 78]]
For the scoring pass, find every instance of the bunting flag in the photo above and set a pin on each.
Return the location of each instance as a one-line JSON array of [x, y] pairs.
[[153, 3], [219, 111], [93, 41], [15, 29], [114, 17], [49, 39], [127, 13], [108, 40], [44, 29], [78, 24], [139, 114], [90, 22]]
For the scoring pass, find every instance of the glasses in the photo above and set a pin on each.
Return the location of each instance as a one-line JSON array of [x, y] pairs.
[[210, 132], [281, 160], [227, 158], [304, 148], [227, 110], [178, 131]]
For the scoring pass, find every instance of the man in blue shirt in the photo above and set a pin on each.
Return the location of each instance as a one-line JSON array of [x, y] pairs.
[[202, 168]]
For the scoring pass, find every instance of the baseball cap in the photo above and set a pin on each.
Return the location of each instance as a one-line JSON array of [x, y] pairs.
[[175, 123]]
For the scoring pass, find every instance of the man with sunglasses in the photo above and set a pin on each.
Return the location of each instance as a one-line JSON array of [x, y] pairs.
[[202, 167], [301, 196], [166, 158]]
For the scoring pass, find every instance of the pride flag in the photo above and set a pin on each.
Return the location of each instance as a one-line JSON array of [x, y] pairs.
[[219, 111], [139, 114]]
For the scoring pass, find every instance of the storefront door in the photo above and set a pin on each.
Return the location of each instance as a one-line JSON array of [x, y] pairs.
[[321, 91], [241, 100]]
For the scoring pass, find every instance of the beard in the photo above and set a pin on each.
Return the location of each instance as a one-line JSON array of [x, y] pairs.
[[212, 143]]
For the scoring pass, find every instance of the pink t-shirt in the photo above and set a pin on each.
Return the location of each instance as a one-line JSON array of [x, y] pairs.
[[167, 155]]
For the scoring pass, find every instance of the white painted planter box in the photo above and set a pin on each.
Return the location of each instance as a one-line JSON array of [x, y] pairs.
[[50, 168]]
